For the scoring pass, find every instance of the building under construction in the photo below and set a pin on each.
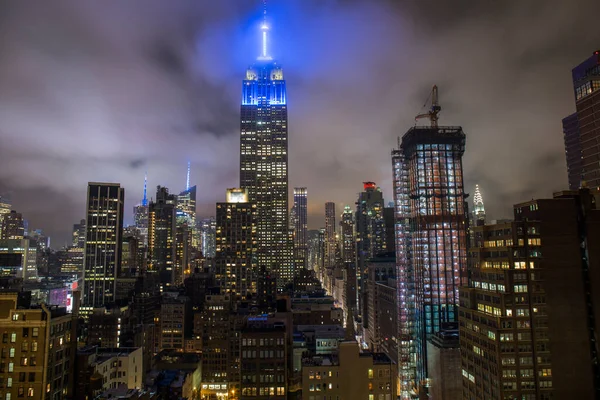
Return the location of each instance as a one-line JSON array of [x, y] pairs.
[[431, 239]]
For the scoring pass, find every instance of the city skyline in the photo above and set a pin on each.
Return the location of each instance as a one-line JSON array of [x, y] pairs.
[[203, 126]]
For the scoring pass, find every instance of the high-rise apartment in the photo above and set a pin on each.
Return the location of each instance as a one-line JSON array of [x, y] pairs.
[[161, 235], [586, 87], [102, 262], [330, 239], [235, 269], [300, 228], [431, 240], [529, 316], [264, 160]]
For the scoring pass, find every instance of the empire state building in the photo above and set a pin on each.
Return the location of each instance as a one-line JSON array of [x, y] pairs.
[[264, 161]]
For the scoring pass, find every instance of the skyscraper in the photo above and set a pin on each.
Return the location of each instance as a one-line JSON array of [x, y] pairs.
[[236, 242], [348, 241], [161, 235], [13, 226], [186, 203], [208, 228], [478, 208], [431, 239], [79, 234], [5, 207], [370, 231], [300, 228], [140, 215], [330, 240], [586, 85], [102, 262], [264, 160]]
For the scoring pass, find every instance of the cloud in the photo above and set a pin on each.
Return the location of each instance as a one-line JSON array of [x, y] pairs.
[[105, 91]]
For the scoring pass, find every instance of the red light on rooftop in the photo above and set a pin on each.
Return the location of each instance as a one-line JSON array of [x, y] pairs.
[[369, 185]]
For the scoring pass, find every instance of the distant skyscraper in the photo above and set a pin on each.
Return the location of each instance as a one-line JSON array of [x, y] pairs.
[[330, 240], [478, 208], [370, 231], [236, 242], [208, 228], [348, 241], [102, 262], [140, 214], [13, 226], [314, 250], [300, 228], [586, 85], [430, 240], [79, 234], [264, 160], [573, 154], [161, 235]]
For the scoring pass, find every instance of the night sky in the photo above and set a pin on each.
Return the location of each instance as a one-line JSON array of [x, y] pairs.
[[105, 90]]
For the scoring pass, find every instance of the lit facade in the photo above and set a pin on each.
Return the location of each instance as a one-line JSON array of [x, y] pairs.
[[264, 161], [431, 240], [102, 262], [348, 247], [300, 228], [207, 228], [13, 226], [235, 269], [140, 215], [24, 253], [330, 239], [5, 207], [478, 208], [161, 235], [79, 234]]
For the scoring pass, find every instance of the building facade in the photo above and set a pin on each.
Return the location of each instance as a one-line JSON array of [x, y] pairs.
[[102, 262], [586, 85], [572, 138], [264, 161], [529, 318], [161, 235], [431, 240], [13, 226], [300, 228], [330, 237], [235, 266]]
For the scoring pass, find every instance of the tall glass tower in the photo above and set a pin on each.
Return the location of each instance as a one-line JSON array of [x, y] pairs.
[[264, 160], [431, 240]]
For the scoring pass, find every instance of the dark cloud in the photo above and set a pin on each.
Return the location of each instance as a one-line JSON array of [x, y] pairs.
[[96, 91]]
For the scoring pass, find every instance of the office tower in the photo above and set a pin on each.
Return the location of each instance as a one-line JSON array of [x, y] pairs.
[[161, 235], [380, 283], [183, 254], [478, 208], [18, 258], [573, 154], [264, 160], [79, 234], [140, 215], [74, 261], [39, 346], [300, 228], [102, 263], [207, 229], [13, 226], [235, 269], [370, 231], [431, 239], [330, 239], [186, 204], [5, 207], [529, 316], [586, 85]]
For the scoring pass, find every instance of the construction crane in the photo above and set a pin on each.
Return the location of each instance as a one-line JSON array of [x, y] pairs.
[[435, 109]]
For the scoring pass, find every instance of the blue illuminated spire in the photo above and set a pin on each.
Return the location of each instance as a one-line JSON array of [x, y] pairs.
[[265, 29], [187, 184], [145, 199]]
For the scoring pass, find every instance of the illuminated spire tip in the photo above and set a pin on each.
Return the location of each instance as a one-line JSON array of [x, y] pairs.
[[145, 199], [264, 28], [187, 182]]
